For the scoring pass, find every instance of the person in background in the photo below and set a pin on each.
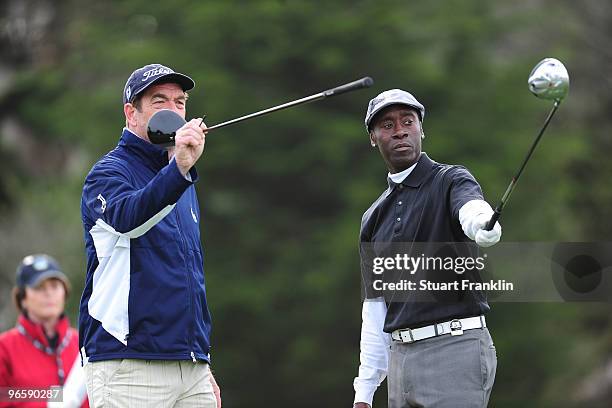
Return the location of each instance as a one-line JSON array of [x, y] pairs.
[[42, 350]]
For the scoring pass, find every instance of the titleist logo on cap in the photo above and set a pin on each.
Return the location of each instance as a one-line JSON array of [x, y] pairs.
[[155, 72], [150, 74]]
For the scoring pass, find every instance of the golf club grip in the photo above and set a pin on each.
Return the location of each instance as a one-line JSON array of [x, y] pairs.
[[351, 86], [493, 220]]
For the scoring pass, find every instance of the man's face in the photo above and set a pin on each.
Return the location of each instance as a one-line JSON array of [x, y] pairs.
[[156, 97], [396, 130]]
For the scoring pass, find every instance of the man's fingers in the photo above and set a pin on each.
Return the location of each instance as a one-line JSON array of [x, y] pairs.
[[193, 124], [196, 125], [201, 125], [190, 130], [189, 139], [200, 121]]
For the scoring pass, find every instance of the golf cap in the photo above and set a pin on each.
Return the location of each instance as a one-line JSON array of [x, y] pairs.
[[392, 97], [34, 269], [150, 74]]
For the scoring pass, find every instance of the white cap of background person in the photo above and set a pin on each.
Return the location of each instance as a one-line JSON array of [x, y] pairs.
[[392, 97]]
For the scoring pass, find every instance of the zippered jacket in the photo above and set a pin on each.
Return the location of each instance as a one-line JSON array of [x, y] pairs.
[[144, 294]]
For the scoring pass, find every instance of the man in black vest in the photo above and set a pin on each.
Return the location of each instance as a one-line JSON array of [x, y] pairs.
[[435, 353]]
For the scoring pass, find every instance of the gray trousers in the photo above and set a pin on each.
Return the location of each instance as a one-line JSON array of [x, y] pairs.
[[443, 372]]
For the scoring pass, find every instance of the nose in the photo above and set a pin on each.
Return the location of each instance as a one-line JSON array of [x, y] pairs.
[[399, 130], [400, 134]]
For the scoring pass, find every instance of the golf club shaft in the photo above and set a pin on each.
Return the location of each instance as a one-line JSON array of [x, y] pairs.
[[361, 83], [504, 200], [307, 99]]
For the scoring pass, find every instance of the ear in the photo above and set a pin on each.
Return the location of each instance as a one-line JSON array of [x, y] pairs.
[[372, 138], [130, 110]]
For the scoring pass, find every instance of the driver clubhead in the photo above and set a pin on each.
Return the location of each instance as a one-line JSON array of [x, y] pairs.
[[162, 127], [549, 80]]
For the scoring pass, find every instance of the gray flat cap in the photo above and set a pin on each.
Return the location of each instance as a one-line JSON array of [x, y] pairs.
[[392, 97]]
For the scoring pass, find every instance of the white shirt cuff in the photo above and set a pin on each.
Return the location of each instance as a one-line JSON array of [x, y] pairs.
[[364, 392], [374, 355]]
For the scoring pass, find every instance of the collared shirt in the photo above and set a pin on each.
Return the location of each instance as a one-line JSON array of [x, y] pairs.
[[424, 208], [401, 176], [426, 190]]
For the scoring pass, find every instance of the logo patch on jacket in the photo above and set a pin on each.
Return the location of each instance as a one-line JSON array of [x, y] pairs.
[[103, 201], [195, 219]]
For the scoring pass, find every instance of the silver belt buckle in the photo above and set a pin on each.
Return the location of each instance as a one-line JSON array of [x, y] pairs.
[[411, 340], [455, 328]]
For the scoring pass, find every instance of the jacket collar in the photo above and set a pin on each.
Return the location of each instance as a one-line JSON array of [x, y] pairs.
[[155, 156], [416, 177], [37, 332]]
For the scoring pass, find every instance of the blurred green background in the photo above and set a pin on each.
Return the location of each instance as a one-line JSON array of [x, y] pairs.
[[282, 196]]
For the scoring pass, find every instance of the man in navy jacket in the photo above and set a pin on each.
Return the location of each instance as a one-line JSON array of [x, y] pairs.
[[144, 322]]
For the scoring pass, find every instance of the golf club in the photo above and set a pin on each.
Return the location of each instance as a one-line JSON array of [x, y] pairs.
[[163, 125], [548, 80]]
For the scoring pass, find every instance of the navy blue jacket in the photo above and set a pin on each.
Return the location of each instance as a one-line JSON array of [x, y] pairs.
[[144, 293]]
